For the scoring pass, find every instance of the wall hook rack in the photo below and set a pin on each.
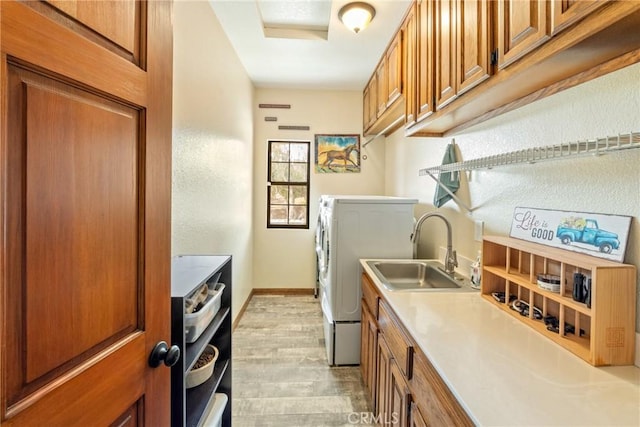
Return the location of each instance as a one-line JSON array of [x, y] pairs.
[[590, 147]]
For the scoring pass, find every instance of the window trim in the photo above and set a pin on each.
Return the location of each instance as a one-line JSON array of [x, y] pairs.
[[306, 183]]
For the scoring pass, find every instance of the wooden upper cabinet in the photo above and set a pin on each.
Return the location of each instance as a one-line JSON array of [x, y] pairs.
[[472, 42], [566, 12], [394, 69], [424, 59], [381, 79], [366, 101], [522, 26], [409, 66], [373, 100], [370, 103], [445, 52], [461, 47]]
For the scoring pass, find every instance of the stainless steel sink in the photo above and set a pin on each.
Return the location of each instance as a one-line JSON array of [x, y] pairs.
[[417, 275]]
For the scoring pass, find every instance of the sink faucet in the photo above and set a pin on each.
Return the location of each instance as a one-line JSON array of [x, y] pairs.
[[451, 260]]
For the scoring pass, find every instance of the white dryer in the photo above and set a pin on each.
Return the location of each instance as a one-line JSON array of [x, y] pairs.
[[355, 227]]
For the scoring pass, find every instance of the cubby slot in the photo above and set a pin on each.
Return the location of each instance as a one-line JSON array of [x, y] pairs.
[[495, 256], [572, 332], [519, 263], [493, 283]]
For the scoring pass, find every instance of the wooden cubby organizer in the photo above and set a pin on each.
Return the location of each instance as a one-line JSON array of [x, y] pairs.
[[604, 333]]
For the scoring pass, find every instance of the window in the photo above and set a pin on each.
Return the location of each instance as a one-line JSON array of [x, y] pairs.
[[288, 184]]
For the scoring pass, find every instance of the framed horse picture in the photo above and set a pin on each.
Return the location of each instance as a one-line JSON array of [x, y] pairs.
[[337, 153]]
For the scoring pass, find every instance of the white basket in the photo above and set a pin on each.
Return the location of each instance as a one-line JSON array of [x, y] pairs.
[[196, 323], [195, 377], [215, 410]]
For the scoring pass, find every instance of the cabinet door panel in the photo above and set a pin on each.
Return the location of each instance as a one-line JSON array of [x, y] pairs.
[[365, 109], [472, 43], [409, 37], [381, 79], [373, 100], [399, 398], [415, 417], [424, 59], [522, 26], [445, 48], [368, 351], [384, 358], [394, 69], [566, 12]]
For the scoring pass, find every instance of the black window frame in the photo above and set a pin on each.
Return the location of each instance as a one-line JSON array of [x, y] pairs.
[[306, 183]]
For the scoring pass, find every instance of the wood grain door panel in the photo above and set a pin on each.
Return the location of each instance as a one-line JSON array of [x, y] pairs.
[[86, 176], [81, 244], [122, 27], [73, 398], [409, 65], [34, 38]]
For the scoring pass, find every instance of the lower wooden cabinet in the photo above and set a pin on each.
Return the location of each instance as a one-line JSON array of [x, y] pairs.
[[368, 350], [383, 384], [399, 397], [405, 388]]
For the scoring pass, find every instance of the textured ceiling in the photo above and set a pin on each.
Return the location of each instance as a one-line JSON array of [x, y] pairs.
[[307, 46]]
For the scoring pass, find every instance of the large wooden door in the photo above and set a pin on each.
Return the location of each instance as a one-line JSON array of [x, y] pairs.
[[85, 173]]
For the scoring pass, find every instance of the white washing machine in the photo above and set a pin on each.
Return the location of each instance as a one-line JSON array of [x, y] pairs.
[[351, 228]]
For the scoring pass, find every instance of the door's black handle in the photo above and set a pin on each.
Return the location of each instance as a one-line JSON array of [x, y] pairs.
[[163, 353]]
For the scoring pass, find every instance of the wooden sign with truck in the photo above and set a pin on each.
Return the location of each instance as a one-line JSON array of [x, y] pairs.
[[595, 234]]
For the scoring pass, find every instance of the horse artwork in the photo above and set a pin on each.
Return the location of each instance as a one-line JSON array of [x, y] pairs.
[[337, 153]]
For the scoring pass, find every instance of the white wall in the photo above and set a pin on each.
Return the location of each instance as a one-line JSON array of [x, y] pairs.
[[212, 145], [286, 258], [606, 184]]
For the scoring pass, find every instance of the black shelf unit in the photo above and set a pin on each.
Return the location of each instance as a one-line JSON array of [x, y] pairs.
[[188, 273]]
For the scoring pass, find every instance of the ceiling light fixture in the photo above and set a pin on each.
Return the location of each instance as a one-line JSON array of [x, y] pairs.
[[357, 15]]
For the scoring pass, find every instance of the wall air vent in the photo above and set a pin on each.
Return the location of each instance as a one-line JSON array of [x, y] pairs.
[[286, 106], [286, 127]]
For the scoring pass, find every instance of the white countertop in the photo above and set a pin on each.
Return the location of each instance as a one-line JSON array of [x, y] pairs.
[[506, 374]]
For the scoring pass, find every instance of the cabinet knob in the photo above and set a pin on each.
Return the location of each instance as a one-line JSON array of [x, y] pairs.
[[163, 353]]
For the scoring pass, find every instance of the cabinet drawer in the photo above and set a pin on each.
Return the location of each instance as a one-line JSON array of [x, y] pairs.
[[370, 295], [400, 345], [436, 402]]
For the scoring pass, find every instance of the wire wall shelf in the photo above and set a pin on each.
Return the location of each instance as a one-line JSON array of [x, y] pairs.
[[591, 147]]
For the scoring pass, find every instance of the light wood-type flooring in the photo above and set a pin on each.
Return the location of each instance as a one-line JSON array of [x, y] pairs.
[[280, 372]]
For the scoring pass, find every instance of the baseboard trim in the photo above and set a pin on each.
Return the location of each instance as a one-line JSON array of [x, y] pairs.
[[269, 291], [637, 363], [242, 310], [282, 291]]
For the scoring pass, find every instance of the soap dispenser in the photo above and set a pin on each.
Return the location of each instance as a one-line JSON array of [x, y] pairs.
[[476, 271]]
